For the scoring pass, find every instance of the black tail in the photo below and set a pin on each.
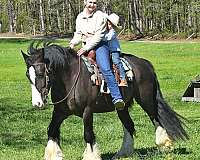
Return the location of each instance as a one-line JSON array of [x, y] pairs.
[[169, 119]]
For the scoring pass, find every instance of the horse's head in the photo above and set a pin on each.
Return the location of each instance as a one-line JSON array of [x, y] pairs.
[[38, 75]]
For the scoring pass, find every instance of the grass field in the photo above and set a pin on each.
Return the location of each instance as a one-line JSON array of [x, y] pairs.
[[23, 129]]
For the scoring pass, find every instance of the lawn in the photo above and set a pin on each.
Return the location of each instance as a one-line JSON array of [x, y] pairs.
[[23, 128]]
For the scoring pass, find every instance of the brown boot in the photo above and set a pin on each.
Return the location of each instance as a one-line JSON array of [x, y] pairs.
[[123, 83]]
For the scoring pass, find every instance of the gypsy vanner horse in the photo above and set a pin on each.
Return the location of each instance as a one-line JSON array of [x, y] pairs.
[[73, 93]]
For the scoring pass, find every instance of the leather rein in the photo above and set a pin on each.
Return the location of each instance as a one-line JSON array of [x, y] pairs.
[[74, 84]]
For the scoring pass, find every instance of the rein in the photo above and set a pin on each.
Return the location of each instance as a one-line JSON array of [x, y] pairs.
[[76, 80]]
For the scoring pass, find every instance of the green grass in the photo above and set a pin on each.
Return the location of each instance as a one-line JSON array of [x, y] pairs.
[[23, 129]]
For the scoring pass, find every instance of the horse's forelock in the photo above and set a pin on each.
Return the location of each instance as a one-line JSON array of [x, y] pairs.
[[56, 55]]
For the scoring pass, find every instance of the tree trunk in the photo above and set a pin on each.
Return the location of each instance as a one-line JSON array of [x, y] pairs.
[[41, 18], [10, 15], [64, 17], [0, 26], [177, 19], [58, 20], [49, 14], [70, 18]]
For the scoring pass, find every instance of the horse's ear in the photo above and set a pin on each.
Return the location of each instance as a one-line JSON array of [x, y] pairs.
[[25, 56]]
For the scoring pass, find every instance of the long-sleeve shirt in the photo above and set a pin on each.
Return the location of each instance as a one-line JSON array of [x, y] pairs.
[[113, 42], [89, 29]]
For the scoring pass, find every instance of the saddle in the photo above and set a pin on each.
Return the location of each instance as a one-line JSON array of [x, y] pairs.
[[97, 78]]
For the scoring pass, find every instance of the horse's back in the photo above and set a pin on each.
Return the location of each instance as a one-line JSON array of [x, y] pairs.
[[142, 68]]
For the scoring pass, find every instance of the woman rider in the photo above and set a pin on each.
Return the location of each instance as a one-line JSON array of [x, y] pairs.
[[90, 30]]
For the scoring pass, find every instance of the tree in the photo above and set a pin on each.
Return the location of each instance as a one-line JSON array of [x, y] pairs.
[[143, 17]]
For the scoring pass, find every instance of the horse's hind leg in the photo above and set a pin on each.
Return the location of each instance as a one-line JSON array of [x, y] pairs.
[[91, 152], [149, 104], [127, 147], [52, 150]]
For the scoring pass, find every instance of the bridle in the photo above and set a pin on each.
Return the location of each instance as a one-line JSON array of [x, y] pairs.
[[45, 75], [47, 81]]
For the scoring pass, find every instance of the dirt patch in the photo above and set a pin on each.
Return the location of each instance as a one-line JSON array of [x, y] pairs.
[[127, 37]]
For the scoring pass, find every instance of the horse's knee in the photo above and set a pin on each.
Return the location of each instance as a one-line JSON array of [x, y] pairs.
[[53, 151], [127, 122]]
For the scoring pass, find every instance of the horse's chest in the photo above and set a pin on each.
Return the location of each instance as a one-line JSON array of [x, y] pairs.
[[73, 106]]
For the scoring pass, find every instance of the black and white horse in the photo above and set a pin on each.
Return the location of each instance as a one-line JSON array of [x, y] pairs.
[[73, 93]]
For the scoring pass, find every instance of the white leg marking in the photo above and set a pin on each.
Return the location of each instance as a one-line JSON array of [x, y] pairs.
[[91, 154], [127, 148], [53, 151], [36, 96], [162, 138]]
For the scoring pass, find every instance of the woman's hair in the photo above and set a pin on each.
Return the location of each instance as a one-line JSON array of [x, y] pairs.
[[85, 2]]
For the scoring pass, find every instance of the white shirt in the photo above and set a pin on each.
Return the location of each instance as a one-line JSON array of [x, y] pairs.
[[89, 29]]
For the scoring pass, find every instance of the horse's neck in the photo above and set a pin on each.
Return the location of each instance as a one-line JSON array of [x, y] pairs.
[[72, 67]]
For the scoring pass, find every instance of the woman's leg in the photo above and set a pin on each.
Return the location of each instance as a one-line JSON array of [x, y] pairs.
[[103, 61]]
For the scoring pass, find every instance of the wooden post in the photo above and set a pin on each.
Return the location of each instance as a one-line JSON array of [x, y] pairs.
[[196, 92], [196, 89]]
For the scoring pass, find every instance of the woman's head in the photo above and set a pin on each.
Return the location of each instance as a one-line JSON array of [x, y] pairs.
[[91, 5]]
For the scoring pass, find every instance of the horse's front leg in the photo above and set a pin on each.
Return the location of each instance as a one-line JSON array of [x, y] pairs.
[[91, 151], [52, 150], [127, 148]]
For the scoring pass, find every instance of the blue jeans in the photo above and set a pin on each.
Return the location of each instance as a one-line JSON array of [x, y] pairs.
[[103, 62], [116, 60]]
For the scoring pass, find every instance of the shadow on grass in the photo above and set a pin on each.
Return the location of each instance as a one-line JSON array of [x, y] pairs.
[[22, 125], [146, 153], [10, 106]]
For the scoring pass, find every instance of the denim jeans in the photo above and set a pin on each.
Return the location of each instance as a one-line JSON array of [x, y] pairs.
[[103, 62], [116, 60]]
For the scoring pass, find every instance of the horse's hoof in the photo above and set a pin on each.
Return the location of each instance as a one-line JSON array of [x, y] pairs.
[[53, 151], [167, 146], [91, 153], [121, 154]]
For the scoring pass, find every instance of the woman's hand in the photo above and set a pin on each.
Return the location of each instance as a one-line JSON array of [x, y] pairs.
[[81, 52]]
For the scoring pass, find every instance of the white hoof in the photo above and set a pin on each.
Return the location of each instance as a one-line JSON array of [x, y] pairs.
[[53, 151], [91, 154], [162, 140]]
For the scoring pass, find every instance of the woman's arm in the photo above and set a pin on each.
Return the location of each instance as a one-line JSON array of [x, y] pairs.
[[77, 34]]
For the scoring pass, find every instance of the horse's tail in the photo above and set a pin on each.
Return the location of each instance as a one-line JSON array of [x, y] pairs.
[[169, 119]]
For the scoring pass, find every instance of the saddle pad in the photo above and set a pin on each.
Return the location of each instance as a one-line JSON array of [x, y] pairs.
[[97, 78]]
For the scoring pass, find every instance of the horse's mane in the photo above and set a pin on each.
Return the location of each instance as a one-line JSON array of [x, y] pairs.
[[56, 55]]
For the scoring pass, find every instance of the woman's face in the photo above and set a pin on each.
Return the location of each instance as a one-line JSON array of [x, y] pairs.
[[91, 5]]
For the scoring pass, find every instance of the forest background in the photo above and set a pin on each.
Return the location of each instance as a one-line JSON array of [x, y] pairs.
[[158, 19]]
